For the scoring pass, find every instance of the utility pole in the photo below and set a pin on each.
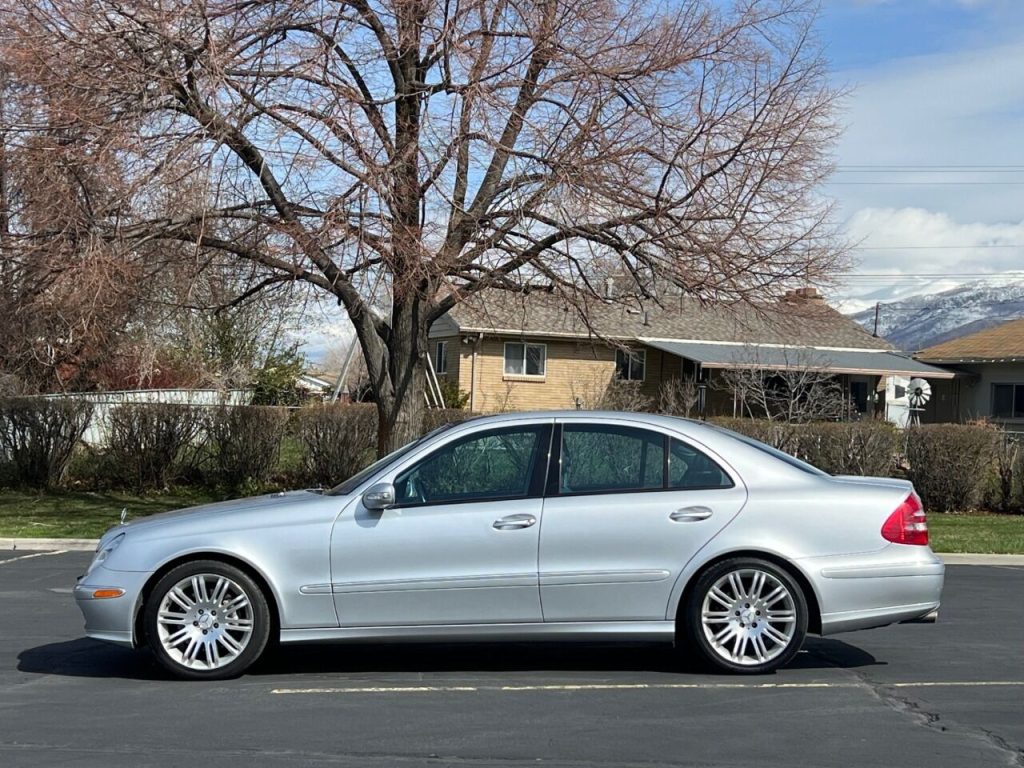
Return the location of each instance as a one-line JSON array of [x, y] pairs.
[[878, 307]]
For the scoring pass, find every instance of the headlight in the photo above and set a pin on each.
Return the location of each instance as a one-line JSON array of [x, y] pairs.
[[104, 551]]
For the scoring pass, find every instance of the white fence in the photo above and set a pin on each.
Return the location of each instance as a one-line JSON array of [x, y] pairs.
[[103, 402]]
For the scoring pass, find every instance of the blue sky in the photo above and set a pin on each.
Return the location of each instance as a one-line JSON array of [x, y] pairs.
[[932, 83]]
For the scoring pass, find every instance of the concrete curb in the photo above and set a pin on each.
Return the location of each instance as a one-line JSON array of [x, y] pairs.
[[966, 559], [43, 545], [88, 545]]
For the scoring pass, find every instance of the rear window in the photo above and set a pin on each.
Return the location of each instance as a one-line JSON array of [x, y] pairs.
[[793, 461]]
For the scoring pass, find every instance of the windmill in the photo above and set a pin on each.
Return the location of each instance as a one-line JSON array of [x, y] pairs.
[[919, 392]]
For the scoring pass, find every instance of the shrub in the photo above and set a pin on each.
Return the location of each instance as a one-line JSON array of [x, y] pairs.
[[678, 397], [624, 396], [950, 464], [38, 437], [777, 434], [146, 440], [1006, 491], [454, 398], [245, 443], [864, 448], [276, 383], [339, 440], [435, 417]]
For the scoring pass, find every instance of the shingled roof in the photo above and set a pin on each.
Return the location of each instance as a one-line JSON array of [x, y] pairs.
[[1004, 343], [797, 322]]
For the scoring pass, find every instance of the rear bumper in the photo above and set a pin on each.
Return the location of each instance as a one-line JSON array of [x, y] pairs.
[[898, 584], [929, 618]]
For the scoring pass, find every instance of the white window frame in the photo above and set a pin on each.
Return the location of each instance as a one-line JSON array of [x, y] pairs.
[[441, 358], [631, 355], [525, 345]]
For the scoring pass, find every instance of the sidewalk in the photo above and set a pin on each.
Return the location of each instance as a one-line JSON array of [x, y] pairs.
[[88, 545]]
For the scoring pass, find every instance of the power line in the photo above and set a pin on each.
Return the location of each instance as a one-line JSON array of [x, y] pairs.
[[925, 183], [918, 275], [930, 247], [911, 167]]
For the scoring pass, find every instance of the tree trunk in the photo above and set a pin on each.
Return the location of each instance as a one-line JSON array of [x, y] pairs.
[[401, 400]]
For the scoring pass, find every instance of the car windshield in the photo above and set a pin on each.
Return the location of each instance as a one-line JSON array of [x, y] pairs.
[[793, 461], [346, 487]]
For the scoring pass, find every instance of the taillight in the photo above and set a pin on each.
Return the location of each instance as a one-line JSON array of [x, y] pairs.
[[907, 524]]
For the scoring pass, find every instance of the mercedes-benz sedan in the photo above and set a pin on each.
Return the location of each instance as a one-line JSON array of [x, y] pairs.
[[543, 526]]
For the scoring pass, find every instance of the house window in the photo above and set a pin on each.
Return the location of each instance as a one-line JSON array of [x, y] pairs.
[[630, 365], [1008, 401], [441, 358], [525, 359]]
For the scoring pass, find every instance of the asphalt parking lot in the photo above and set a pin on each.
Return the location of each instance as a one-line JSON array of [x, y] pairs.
[[950, 694]]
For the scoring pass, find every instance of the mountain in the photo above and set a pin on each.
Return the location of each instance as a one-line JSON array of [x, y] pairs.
[[922, 320]]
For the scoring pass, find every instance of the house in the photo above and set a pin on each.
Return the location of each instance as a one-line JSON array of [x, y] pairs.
[[315, 383], [534, 351], [990, 376]]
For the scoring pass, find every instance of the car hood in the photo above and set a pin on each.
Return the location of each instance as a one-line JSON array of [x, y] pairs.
[[218, 511]]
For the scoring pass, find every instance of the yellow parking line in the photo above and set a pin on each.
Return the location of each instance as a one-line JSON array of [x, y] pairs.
[[634, 687]]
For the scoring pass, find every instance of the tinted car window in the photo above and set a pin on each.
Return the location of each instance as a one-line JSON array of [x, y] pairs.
[[793, 461], [381, 464], [497, 464], [604, 458], [689, 468]]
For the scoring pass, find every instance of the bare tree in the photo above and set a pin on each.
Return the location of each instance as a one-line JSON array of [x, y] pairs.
[[679, 397], [444, 147], [794, 385]]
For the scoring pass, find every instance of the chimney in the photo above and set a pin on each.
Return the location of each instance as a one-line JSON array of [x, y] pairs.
[[808, 294]]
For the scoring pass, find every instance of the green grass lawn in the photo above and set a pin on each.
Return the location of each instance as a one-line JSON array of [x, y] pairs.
[[74, 515], [976, 533]]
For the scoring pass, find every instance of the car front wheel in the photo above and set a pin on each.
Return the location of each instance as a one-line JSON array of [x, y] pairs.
[[206, 620], [746, 616]]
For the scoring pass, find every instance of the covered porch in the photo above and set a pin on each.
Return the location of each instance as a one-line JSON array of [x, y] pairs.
[[861, 375]]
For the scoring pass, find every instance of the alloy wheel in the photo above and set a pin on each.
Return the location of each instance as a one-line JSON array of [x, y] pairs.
[[205, 621], [749, 617]]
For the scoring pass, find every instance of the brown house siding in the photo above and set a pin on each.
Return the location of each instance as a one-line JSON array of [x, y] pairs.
[[575, 369]]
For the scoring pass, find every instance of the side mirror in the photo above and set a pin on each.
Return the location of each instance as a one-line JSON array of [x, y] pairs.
[[379, 496]]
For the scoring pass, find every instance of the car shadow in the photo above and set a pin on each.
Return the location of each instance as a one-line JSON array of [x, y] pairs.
[[90, 658]]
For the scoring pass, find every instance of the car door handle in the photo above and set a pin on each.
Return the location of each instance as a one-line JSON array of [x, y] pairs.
[[514, 522], [690, 514]]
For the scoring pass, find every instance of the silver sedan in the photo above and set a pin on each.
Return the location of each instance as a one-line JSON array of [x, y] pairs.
[[546, 526]]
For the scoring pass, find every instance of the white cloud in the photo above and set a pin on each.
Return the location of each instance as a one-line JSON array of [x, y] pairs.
[[964, 108], [913, 245]]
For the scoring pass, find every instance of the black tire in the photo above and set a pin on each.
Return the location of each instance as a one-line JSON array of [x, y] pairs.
[[198, 656], [727, 642]]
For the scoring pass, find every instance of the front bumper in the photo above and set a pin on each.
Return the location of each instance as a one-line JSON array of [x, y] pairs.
[[111, 619]]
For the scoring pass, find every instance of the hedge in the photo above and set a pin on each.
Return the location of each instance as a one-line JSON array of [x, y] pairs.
[[951, 465], [839, 448], [145, 441], [245, 443], [151, 445], [339, 440], [38, 437]]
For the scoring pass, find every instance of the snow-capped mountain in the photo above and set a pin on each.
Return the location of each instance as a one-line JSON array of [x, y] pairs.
[[922, 320]]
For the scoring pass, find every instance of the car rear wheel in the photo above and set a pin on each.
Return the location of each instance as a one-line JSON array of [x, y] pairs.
[[206, 620], [746, 616]]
